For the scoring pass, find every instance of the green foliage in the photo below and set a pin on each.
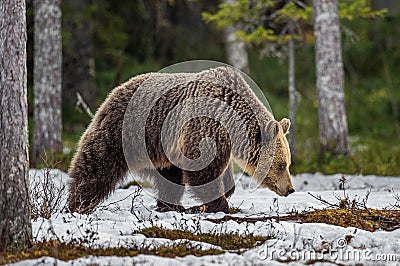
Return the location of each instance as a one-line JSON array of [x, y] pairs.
[[261, 35], [238, 12], [264, 22], [260, 22], [291, 11], [353, 9]]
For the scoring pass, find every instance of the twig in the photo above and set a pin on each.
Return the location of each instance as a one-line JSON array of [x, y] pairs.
[[319, 198], [237, 219], [84, 105], [136, 192]]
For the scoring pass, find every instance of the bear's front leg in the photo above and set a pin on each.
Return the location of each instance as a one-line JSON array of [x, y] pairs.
[[170, 188], [218, 205], [228, 181], [209, 190]]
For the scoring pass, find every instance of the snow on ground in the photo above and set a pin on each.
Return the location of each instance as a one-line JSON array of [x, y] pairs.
[[116, 219]]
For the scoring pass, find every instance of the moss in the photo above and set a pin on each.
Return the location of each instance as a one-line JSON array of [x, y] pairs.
[[67, 251], [231, 241], [348, 238], [367, 219], [233, 210]]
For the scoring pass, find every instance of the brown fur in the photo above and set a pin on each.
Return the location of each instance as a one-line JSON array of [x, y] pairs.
[[99, 162]]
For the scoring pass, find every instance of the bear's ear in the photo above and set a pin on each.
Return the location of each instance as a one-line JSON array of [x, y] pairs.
[[272, 129], [285, 123]]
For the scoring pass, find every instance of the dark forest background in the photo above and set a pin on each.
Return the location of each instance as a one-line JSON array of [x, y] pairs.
[[107, 42]]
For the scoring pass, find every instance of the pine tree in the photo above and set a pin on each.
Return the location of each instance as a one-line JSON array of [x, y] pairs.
[[47, 128], [15, 224]]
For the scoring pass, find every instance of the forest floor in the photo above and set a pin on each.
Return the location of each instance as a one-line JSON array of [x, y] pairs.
[[327, 221]]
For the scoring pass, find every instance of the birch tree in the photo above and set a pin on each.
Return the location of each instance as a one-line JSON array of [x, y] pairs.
[[332, 119], [47, 129], [15, 224], [235, 48]]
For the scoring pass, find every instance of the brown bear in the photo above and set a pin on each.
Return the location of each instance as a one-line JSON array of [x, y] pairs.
[[156, 109]]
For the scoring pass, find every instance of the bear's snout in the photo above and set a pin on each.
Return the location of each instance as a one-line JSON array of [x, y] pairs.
[[283, 192], [288, 192]]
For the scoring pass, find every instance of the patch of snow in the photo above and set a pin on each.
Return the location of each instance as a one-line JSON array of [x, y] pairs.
[[117, 218]]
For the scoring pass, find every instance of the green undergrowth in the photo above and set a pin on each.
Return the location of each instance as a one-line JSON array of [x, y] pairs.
[[67, 251], [60, 160], [374, 156], [232, 241]]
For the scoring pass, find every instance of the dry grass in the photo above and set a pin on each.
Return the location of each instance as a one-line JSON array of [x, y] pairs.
[[227, 241], [45, 196], [68, 251]]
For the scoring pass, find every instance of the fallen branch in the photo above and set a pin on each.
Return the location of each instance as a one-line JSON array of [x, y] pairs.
[[84, 105]]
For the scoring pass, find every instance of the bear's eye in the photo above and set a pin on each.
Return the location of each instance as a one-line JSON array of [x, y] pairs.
[[282, 166]]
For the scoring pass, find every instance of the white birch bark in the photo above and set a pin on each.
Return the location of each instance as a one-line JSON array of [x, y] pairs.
[[235, 49], [333, 131]]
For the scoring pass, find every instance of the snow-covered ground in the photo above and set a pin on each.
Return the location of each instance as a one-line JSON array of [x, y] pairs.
[[119, 216]]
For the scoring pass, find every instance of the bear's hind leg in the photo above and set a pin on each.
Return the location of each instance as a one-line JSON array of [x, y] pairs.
[[85, 196], [95, 170]]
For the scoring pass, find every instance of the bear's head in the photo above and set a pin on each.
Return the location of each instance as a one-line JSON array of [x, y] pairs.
[[278, 178], [272, 169]]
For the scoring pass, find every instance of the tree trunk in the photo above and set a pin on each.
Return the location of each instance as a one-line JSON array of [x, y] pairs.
[[333, 132], [235, 49], [15, 224], [293, 95], [47, 78], [78, 54]]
